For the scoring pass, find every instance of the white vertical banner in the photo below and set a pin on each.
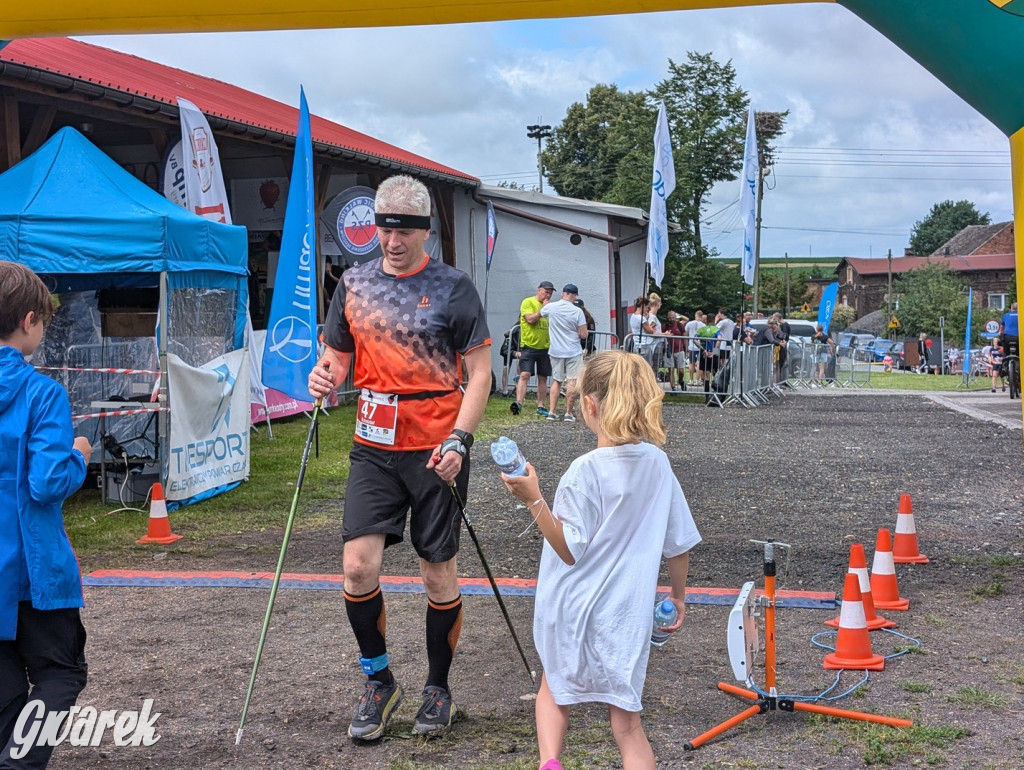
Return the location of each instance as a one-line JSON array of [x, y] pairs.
[[748, 199], [204, 181], [663, 182], [209, 438]]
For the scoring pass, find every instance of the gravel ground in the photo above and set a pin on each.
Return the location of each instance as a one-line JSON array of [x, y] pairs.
[[816, 472]]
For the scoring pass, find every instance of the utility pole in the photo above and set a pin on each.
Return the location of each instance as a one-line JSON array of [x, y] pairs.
[[539, 133], [786, 314], [757, 241], [888, 297]]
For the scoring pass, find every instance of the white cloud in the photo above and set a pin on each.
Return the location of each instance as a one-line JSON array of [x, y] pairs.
[[463, 95]]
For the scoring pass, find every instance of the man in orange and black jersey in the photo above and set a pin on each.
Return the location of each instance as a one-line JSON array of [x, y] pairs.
[[409, 323]]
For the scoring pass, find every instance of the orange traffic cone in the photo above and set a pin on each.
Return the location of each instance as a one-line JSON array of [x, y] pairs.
[[159, 524], [859, 567], [853, 642], [904, 547], [884, 591]]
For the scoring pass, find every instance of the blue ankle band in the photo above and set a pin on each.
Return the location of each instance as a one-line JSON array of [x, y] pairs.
[[372, 665]]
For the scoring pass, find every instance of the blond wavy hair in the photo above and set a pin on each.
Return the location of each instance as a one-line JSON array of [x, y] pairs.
[[627, 394]]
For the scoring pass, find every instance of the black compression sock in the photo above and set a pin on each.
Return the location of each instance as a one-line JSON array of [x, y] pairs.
[[368, 618], [444, 624]]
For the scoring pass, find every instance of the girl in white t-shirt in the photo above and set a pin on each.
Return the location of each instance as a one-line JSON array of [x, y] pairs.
[[618, 511]]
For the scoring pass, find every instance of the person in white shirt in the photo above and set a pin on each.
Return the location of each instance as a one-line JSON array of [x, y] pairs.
[[725, 325], [691, 346], [598, 579], [566, 327]]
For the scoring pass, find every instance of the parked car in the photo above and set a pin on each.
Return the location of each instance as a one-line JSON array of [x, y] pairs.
[[899, 360], [850, 342], [879, 347]]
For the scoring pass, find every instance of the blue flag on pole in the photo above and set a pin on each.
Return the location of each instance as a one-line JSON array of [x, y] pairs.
[[828, 304], [748, 201], [290, 351], [967, 333], [663, 182]]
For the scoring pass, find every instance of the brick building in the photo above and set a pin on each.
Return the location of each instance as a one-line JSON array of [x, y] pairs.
[[982, 255]]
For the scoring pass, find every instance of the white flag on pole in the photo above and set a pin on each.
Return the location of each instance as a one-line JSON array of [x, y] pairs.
[[662, 184], [748, 199]]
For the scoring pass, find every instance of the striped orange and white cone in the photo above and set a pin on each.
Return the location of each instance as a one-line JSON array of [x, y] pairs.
[[885, 592], [159, 524], [853, 642], [904, 546], [859, 567]]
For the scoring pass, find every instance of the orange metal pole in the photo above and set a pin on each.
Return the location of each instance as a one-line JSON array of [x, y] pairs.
[[769, 632], [700, 740], [846, 714], [734, 690]]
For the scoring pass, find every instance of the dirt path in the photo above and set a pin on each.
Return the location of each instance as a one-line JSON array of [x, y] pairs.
[[816, 473]]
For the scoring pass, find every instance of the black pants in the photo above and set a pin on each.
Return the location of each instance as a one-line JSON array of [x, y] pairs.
[[49, 654]]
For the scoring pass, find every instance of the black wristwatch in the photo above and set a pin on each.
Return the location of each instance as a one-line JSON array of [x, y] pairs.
[[464, 436]]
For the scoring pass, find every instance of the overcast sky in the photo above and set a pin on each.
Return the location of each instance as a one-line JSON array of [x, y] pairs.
[[872, 140]]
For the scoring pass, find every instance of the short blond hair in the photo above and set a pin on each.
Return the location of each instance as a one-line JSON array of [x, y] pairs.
[[21, 292], [627, 394]]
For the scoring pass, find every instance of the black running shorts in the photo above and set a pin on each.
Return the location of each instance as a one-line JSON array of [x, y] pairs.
[[384, 486], [528, 357]]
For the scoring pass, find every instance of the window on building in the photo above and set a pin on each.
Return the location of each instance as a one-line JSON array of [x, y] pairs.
[[997, 301]]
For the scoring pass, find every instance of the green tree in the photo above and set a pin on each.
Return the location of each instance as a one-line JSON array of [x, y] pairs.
[[603, 150], [944, 221], [928, 293], [583, 155]]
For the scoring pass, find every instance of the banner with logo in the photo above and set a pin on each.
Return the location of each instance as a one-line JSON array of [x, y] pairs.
[[291, 347], [259, 203], [967, 334], [204, 180], [208, 448], [828, 305], [172, 177], [349, 220]]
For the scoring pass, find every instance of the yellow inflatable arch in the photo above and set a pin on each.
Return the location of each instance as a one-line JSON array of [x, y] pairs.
[[975, 47]]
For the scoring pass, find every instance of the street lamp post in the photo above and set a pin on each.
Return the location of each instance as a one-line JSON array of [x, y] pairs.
[[539, 133]]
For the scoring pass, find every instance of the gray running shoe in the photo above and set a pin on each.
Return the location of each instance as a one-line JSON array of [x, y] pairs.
[[436, 713], [378, 703]]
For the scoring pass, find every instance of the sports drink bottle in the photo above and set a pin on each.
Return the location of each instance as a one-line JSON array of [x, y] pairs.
[[664, 615]]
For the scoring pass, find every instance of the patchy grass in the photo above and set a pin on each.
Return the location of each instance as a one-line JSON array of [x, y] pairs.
[[884, 745], [908, 381], [994, 561], [100, 537], [988, 590], [911, 685], [972, 695]]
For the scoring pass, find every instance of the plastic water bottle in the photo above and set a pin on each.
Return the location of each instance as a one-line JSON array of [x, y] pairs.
[[508, 457], [664, 615]]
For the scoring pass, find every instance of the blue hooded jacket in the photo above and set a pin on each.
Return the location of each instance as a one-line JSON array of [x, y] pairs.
[[38, 470]]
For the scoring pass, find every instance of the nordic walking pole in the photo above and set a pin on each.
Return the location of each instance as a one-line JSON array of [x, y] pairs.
[[280, 561], [494, 586]]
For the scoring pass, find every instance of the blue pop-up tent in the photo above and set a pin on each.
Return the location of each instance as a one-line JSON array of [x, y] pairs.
[[80, 221]]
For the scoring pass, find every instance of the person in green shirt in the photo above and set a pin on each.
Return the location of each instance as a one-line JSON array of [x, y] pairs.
[[533, 348]]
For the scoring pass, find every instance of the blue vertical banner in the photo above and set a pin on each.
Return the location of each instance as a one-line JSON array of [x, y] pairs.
[[663, 182], [290, 350], [748, 202], [828, 305], [967, 333]]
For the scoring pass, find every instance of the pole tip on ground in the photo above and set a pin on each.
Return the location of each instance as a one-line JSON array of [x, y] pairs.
[[238, 736]]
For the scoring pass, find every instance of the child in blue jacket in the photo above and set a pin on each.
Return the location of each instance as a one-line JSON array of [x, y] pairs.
[[42, 640]]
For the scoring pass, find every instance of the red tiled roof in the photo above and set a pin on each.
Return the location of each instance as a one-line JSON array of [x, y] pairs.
[[134, 75], [866, 266]]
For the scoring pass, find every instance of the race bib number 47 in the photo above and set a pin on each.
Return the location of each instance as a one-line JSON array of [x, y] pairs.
[[376, 417]]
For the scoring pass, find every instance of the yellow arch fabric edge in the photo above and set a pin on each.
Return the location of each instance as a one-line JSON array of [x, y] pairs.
[[1017, 180], [74, 17]]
